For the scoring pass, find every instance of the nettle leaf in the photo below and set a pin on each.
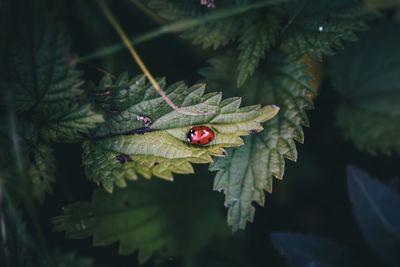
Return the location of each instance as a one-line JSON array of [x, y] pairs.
[[41, 169], [69, 122], [249, 170], [318, 28], [153, 217], [369, 83], [124, 146], [45, 100], [37, 67], [302, 250], [376, 208], [217, 27], [212, 34], [19, 249], [27, 164], [257, 37], [39, 71]]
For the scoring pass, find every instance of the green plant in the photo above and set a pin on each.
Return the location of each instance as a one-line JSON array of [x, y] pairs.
[[131, 127]]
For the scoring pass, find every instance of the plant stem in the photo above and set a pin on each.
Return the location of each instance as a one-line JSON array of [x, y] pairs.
[[180, 26], [139, 61]]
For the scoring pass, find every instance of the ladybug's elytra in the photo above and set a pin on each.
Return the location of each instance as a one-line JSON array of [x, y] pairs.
[[200, 135]]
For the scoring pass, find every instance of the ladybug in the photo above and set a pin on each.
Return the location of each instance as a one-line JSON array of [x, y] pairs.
[[200, 135]]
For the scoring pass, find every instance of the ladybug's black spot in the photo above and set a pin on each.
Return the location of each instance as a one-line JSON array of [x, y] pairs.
[[123, 158], [198, 141], [209, 139]]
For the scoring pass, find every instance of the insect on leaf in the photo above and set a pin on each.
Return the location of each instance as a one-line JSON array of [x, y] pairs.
[[123, 147]]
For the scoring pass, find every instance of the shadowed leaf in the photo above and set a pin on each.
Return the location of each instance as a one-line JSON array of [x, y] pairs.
[[376, 207]]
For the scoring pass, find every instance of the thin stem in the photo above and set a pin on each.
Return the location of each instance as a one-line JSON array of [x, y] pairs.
[[96, 68], [139, 61], [182, 25], [143, 8]]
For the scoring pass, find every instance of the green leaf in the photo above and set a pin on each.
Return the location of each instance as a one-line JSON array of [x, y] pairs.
[[154, 217], [19, 249], [124, 147], [376, 208], [318, 28], [213, 27], [33, 175], [37, 68], [249, 170], [69, 122], [256, 39], [41, 169], [214, 34], [367, 76], [39, 71], [43, 95]]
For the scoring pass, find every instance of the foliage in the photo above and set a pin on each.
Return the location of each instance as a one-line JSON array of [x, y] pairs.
[[155, 218], [375, 207], [320, 27], [123, 134], [18, 246], [124, 131], [313, 28], [250, 169], [43, 94], [367, 76]]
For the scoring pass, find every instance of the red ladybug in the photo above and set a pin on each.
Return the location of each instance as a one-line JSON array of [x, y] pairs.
[[200, 135]]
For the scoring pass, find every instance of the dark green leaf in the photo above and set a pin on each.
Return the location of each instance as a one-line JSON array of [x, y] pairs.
[[367, 75], [318, 28], [41, 75], [150, 216], [249, 170], [257, 37], [376, 207], [41, 169]]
